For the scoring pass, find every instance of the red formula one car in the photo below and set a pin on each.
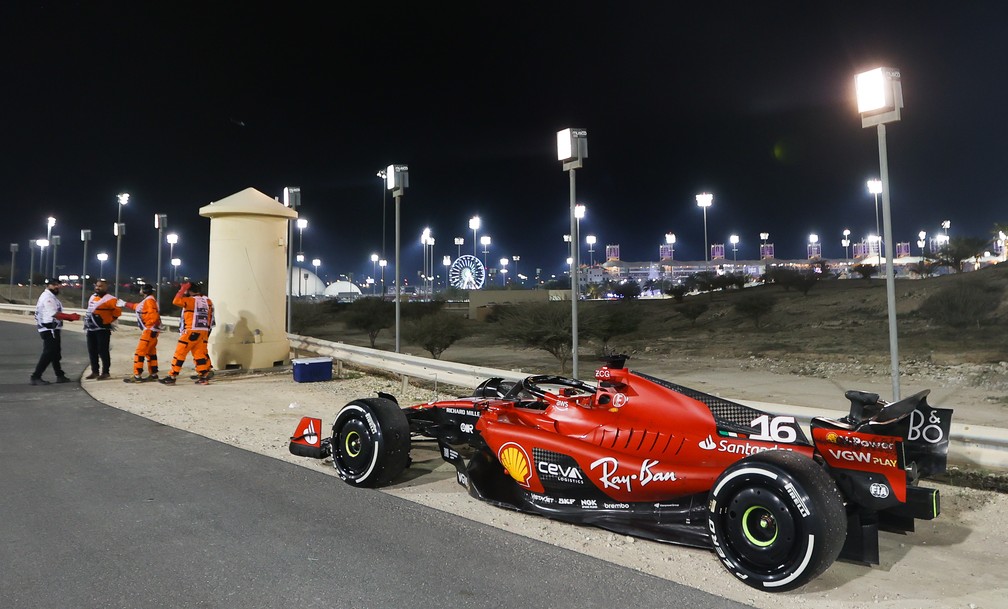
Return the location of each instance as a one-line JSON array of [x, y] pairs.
[[642, 456]]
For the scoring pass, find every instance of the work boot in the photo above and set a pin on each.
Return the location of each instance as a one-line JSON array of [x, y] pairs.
[[133, 379], [168, 380], [39, 381], [62, 379], [152, 377], [92, 376], [104, 376], [202, 380]]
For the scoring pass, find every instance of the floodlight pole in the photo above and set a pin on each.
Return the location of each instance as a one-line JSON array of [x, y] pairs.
[[574, 278], [890, 272], [292, 199], [31, 268], [85, 236], [13, 250], [396, 180], [120, 230], [880, 100], [397, 194], [572, 149], [160, 220]]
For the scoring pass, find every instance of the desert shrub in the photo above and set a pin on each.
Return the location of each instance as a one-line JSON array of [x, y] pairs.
[[603, 323], [677, 291], [865, 270], [963, 304], [541, 325], [628, 290], [783, 276], [755, 306], [692, 310], [370, 315], [435, 332]]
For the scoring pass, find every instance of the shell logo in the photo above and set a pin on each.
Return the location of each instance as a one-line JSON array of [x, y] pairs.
[[831, 437], [516, 462]]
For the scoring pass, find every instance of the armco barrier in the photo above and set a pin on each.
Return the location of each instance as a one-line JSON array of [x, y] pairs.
[[971, 445]]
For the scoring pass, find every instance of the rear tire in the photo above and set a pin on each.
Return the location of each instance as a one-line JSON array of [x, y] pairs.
[[370, 442], [776, 520]]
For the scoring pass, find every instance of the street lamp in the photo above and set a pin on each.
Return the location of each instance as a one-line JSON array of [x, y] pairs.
[[102, 257], [85, 236], [845, 242], [374, 270], [291, 199], [875, 188], [41, 243], [172, 239], [397, 180], [302, 223], [13, 250], [50, 223], [301, 276], [516, 275], [921, 241], [670, 241], [160, 223], [175, 262], [814, 247], [705, 200], [384, 194], [734, 239], [459, 242], [383, 263], [591, 241], [446, 261], [503, 263], [119, 230], [579, 213], [880, 99], [474, 224], [485, 241], [572, 149], [316, 262], [55, 241]]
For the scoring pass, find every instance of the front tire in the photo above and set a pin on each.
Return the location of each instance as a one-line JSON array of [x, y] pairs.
[[776, 520], [370, 442]]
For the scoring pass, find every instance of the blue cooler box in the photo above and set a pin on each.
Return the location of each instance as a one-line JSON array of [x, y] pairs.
[[311, 369]]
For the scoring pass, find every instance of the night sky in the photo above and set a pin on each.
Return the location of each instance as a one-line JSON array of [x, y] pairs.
[[181, 104]]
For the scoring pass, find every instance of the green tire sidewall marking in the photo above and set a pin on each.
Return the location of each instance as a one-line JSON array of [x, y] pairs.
[[353, 435], [749, 535]]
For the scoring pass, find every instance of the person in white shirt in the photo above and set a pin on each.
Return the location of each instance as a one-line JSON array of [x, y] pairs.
[[49, 318]]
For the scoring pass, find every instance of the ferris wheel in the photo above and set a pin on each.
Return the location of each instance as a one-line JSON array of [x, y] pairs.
[[467, 273]]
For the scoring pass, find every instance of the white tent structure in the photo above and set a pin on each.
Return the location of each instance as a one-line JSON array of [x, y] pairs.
[[304, 282], [344, 290]]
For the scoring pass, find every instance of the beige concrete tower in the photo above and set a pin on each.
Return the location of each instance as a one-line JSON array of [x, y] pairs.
[[247, 280]]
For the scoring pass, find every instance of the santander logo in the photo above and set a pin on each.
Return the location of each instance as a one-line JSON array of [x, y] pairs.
[[708, 444]]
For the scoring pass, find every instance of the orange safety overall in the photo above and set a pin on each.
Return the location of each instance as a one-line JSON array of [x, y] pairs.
[[149, 320], [196, 321]]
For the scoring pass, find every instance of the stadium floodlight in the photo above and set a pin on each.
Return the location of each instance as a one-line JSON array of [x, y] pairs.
[[880, 100]]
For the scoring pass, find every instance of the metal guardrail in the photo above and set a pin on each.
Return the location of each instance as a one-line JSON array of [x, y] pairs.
[[439, 371], [167, 321], [970, 445]]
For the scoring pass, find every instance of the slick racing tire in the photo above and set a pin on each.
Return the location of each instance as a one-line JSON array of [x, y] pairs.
[[776, 520], [370, 442]]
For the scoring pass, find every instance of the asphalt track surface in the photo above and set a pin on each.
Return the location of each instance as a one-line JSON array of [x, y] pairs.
[[102, 508]]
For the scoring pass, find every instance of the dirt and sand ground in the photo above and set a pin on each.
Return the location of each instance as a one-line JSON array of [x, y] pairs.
[[954, 561]]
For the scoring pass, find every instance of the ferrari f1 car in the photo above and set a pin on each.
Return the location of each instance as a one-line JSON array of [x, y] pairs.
[[639, 455]]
